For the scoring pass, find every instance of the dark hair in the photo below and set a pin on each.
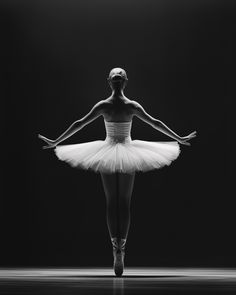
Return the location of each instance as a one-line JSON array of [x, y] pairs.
[[117, 74]]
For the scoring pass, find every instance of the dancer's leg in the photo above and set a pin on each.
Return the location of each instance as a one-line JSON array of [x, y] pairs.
[[109, 184], [118, 190], [125, 183]]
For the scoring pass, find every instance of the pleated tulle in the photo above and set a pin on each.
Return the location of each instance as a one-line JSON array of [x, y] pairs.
[[118, 153]]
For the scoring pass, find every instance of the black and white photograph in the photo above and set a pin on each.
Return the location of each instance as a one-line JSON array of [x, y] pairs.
[[118, 157]]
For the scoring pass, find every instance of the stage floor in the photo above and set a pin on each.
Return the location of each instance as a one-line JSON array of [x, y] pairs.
[[78, 281]]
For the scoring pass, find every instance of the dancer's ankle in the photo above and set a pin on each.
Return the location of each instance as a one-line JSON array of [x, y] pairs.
[[118, 243]]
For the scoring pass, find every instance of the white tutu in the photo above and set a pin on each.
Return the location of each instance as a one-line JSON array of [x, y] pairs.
[[118, 152]]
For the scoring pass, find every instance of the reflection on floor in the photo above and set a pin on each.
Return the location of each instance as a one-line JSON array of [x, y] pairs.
[[102, 281]]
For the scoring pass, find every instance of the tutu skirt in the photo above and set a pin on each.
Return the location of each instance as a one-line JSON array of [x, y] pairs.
[[118, 152]]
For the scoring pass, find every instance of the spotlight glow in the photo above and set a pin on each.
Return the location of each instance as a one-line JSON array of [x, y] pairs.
[[79, 273]]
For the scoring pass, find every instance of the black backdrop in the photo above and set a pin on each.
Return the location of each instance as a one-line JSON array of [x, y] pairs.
[[56, 58]]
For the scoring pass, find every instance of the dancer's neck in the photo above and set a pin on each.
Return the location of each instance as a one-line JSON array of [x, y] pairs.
[[117, 93]]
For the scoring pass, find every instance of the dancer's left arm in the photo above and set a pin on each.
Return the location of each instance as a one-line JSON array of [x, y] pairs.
[[160, 126], [94, 113]]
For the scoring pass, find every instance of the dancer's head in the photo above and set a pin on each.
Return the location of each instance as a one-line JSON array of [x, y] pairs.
[[117, 79]]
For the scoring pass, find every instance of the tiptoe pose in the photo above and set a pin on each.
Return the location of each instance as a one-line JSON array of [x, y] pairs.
[[118, 157]]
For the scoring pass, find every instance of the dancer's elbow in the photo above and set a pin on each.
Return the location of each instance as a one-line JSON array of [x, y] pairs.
[[156, 123], [79, 124]]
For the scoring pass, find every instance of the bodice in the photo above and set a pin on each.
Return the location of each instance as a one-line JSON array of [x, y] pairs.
[[118, 131]]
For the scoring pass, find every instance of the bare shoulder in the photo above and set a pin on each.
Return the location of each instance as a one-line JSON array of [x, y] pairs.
[[140, 112], [136, 106], [101, 105]]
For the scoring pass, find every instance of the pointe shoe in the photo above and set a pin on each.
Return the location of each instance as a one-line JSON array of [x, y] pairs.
[[119, 255]]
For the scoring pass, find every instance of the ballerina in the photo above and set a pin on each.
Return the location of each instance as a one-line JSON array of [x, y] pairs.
[[118, 157]]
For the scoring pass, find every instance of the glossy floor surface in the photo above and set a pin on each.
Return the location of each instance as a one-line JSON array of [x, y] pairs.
[[102, 281]]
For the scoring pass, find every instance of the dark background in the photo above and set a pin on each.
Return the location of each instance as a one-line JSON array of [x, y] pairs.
[[55, 61]]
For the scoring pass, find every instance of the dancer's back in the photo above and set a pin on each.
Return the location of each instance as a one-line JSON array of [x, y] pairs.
[[118, 109]]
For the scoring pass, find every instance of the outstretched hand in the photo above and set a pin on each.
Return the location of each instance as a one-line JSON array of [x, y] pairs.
[[184, 140], [51, 143]]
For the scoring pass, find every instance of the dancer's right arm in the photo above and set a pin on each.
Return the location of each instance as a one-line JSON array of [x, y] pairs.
[[94, 113], [159, 125]]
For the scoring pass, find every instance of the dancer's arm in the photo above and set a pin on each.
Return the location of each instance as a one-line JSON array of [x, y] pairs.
[[94, 113], [159, 125]]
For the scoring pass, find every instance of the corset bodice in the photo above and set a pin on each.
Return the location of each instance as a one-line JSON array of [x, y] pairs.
[[118, 131]]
